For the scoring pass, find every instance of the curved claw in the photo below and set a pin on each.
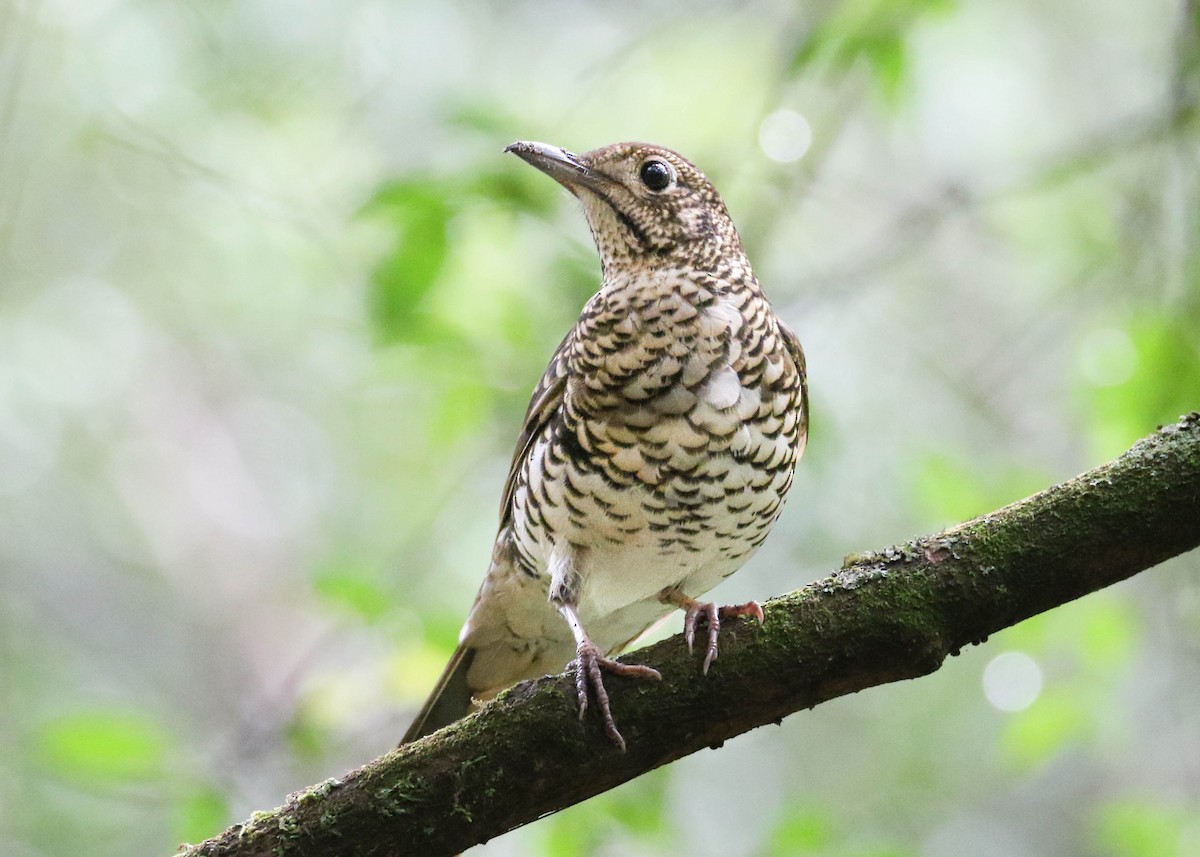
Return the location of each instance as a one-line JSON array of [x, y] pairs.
[[690, 615], [588, 665], [751, 608], [713, 615]]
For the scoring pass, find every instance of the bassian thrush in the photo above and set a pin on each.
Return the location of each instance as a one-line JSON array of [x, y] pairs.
[[657, 450]]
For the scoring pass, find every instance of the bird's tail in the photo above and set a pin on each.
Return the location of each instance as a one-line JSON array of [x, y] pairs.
[[450, 700]]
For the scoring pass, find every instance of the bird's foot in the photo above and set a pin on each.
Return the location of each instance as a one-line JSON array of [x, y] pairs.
[[713, 615], [589, 664]]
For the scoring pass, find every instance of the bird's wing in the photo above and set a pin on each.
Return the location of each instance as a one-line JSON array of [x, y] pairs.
[[451, 698], [792, 343], [547, 401]]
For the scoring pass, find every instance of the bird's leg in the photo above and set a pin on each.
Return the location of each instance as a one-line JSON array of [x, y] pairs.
[[589, 663], [693, 610]]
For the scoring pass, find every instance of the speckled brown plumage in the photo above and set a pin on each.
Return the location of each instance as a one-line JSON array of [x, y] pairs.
[[658, 447]]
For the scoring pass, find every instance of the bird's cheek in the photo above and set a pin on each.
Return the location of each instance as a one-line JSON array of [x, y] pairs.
[[697, 222]]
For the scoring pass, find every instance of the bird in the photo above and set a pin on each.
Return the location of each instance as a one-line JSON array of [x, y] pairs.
[[656, 451]]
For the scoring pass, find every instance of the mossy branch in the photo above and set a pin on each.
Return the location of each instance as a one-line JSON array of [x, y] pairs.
[[885, 616]]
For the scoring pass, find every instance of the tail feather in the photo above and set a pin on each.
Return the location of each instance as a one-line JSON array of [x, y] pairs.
[[450, 700]]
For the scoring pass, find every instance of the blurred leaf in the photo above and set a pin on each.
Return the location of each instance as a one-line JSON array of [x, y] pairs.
[[641, 806], [1163, 384], [1069, 227], [573, 833], [1036, 734], [1101, 633], [559, 839], [486, 119], [462, 407], [1110, 632], [888, 58], [577, 274], [949, 489], [413, 671], [1140, 828], [517, 188], [810, 830], [420, 211], [202, 813], [636, 808], [104, 747], [802, 830], [872, 30], [352, 587], [307, 737]]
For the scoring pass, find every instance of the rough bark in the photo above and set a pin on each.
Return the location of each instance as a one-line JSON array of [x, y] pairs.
[[885, 616]]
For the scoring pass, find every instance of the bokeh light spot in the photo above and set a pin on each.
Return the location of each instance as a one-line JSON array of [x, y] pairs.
[[1012, 681], [785, 136]]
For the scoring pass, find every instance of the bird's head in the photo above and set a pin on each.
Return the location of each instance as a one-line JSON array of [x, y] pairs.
[[647, 206]]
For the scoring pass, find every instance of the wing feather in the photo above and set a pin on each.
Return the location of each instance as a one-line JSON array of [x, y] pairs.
[[544, 405], [792, 343]]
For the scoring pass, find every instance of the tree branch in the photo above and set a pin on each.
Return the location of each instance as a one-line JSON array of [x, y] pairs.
[[885, 616]]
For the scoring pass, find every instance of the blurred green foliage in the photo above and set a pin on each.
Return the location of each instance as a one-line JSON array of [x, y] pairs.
[[1146, 828], [1164, 375], [801, 832], [419, 212], [631, 816], [871, 31], [200, 812], [272, 301], [352, 588], [1087, 648], [952, 488], [104, 748]]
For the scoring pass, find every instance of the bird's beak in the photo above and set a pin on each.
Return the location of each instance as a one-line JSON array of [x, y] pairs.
[[564, 167]]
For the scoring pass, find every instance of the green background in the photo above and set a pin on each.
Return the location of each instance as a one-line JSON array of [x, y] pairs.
[[272, 301]]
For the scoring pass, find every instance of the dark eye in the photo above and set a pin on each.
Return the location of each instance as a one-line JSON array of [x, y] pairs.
[[656, 175]]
